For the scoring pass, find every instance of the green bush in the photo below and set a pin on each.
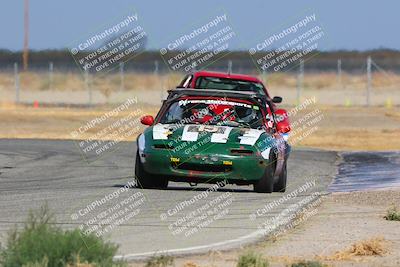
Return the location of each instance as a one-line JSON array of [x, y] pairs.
[[42, 243], [393, 214], [251, 259], [308, 264]]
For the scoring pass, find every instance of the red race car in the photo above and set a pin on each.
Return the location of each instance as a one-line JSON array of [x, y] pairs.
[[239, 82], [224, 81]]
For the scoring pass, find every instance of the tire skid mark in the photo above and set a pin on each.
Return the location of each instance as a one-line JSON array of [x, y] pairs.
[[367, 170]]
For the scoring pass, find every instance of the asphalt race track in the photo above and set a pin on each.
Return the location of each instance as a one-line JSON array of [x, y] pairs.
[[33, 172]]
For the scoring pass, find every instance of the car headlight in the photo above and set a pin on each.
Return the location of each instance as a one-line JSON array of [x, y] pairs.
[[265, 153], [141, 143]]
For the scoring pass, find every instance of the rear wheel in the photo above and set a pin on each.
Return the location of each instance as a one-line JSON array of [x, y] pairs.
[[147, 180], [280, 185], [266, 183]]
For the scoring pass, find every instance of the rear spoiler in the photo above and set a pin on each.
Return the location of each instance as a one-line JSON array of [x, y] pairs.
[[179, 92]]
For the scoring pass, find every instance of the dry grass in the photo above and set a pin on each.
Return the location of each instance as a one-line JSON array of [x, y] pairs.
[[376, 246], [395, 115], [329, 80], [340, 139], [71, 81], [56, 123], [354, 129]]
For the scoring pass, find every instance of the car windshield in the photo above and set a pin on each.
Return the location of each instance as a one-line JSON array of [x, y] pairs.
[[213, 112], [229, 84]]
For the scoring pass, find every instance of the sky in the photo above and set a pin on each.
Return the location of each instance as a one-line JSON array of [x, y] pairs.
[[349, 25]]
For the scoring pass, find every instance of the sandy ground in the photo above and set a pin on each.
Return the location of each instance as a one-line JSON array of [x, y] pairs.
[[343, 219]]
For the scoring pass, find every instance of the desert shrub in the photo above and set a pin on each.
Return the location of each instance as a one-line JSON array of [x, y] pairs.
[[393, 214], [252, 259], [42, 243]]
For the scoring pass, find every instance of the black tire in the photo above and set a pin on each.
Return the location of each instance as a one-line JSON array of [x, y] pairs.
[[146, 180], [266, 183], [280, 185]]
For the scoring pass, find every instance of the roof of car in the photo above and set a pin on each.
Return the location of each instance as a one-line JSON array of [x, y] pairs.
[[227, 76]]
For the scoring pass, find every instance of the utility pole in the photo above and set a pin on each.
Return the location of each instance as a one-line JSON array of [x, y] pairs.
[[300, 81], [26, 35], [369, 81]]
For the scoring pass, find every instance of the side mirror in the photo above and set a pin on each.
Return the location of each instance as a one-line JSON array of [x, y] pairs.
[[277, 99], [147, 120], [282, 121]]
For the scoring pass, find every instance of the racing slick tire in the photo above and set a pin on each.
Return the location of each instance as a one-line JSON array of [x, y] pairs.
[[266, 183], [146, 180], [280, 185]]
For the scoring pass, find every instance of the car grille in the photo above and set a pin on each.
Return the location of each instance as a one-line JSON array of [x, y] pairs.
[[163, 146], [203, 167], [241, 151]]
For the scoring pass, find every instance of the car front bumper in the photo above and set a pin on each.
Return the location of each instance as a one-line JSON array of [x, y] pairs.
[[244, 169]]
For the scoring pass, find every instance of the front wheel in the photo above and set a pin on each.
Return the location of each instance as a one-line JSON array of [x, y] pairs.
[[280, 185], [146, 180], [266, 183]]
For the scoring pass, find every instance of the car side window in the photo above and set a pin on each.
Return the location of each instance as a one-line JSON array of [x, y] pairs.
[[174, 112]]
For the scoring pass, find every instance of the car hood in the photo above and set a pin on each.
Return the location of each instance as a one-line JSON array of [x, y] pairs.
[[173, 135]]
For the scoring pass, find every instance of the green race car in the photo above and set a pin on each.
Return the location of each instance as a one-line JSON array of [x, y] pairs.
[[207, 136]]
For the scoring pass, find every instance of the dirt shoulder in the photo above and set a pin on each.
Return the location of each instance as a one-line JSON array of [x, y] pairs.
[[343, 219]]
